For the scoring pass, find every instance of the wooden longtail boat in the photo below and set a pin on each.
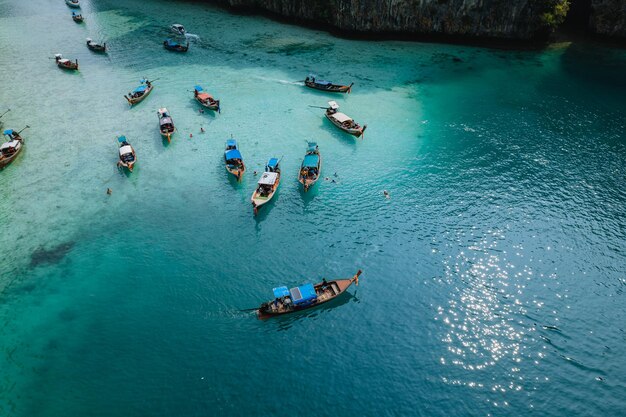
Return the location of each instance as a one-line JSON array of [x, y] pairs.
[[65, 63], [166, 124], [139, 93], [267, 185], [10, 149], [206, 99], [96, 47], [327, 86], [311, 166], [78, 18], [305, 296], [233, 159], [171, 45], [72, 3], [342, 121], [127, 155]]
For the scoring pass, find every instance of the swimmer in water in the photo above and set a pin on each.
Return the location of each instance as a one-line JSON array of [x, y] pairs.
[[386, 193]]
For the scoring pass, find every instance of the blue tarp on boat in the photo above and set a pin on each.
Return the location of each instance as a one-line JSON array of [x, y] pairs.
[[140, 89], [272, 163], [311, 161], [280, 292], [198, 88], [303, 294], [8, 132], [121, 139], [231, 142], [233, 154]]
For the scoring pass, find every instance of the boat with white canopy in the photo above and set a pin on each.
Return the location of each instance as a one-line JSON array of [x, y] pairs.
[[267, 185], [342, 121], [166, 124], [127, 155]]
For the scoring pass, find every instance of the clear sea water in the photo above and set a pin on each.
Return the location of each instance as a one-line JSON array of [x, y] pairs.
[[494, 276]]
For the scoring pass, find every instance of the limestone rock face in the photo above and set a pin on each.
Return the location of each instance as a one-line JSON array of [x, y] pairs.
[[608, 18]]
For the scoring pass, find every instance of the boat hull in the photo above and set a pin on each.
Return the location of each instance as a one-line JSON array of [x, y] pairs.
[[309, 182], [6, 161], [133, 101], [353, 132], [332, 88], [211, 106], [237, 172], [258, 201]]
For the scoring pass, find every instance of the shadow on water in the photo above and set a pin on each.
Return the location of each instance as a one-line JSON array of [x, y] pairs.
[[43, 256], [339, 134]]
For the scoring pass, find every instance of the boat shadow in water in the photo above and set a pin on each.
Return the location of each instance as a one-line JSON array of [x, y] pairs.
[[283, 323], [54, 255], [344, 137]]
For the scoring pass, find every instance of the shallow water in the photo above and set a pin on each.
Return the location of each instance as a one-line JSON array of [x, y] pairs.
[[493, 279]]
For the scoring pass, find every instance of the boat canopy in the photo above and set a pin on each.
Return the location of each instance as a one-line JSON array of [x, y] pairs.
[[198, 88], [311, 161], [268, 178], [333, 105], [140, 89], [233, 154], [8, 132], [126, 149], [280, 292], [340, 117], [231, 142], [323, 82], [303, 294], [312, 147], [165, 121], [11, 144], [272, 163]]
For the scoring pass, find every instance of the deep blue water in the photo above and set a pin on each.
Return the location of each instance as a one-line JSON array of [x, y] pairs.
[[494, 275]]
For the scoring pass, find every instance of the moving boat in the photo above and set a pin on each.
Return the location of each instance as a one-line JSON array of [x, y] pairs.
[[311, 166], [342, 121], [72, 3], [312, 82], [11, 148], [65, 63], [178, 28], [78, 18], [206, 99], [139, 93], [305, 296], [127, 154], [166, 124], [267, 186], [171, 45], [96, 47], [233, 159]]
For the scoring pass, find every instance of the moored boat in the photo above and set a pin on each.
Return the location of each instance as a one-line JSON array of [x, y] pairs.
[[267, 185], [342, 121], [178, 28], [305, 296], [312, 82], [11, 148], [233, 159], [311, 166], [172, 45], [139, 93], [96, 47], [166, 124], [78, 18], [73, 3], [127, 155], [65, 63], [206, 99]]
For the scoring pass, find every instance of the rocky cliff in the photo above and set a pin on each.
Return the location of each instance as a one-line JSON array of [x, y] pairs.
[[502, 19], [608, 18]]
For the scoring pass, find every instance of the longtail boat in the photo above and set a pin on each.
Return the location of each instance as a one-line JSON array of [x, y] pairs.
[[72, 3], [206, 99], [139, 93], [171, 45], [96, 47], [305, 296], [312, 82], [233, 159], [342, 121], [10, 149], [78, 18], [311, 166], [65, 63], [267, 185], [166, 124], [127, 155]]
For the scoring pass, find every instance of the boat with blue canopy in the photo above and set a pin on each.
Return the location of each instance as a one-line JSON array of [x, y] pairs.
[[206, 99], [311, 166], [140, 92], [127, 155], [172, 45], [10, 149], [267, 185], [312, 82], [233, 159], [77, 17], [305, 296]]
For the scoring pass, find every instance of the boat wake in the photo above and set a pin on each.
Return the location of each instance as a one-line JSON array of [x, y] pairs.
[[192, 36]]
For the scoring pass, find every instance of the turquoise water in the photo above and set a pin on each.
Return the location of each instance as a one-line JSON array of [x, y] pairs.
[[494, 275]]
